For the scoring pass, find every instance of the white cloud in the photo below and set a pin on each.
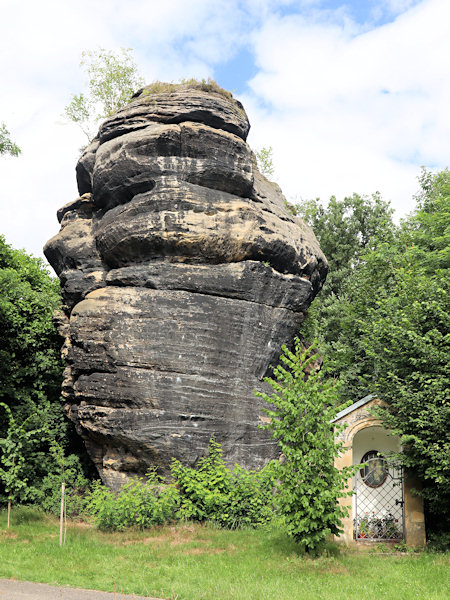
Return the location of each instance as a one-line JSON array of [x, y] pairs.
[[319, 96], [350, 112]]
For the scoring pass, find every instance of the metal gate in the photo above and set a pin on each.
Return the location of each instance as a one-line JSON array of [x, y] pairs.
[[378, 500]]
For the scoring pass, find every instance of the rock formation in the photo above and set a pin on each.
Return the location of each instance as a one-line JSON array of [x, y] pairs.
[[182, 275]]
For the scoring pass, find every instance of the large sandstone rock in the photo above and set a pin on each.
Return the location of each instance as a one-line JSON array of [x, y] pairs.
[[182, 275]]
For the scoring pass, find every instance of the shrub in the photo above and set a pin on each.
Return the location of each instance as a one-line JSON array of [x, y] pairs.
[[209, 492], [213, 492], [141, 502], [48, 496], [302, 409]]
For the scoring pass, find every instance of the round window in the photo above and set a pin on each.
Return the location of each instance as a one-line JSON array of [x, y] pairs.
[[376, 471]]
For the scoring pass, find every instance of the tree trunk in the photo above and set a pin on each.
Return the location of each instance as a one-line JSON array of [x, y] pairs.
[[9, 512], [61, 519]]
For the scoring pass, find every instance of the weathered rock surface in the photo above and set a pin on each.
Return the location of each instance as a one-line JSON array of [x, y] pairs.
[[182, 275]]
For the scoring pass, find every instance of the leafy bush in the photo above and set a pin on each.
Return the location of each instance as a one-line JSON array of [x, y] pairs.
[[213, 492], [141, 502], [210, 492], [48, 496], [438, 542], [302, 409]]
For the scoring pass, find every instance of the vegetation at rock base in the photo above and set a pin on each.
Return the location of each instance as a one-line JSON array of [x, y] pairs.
[[30, 374], [208, 492], [7, 146], [112, 78], [231, 498], [300, 421]]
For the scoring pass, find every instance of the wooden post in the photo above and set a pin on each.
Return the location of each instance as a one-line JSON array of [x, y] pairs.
[[9, 512], [61, 519]]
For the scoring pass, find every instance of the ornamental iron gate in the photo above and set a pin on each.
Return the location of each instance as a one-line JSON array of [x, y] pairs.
[[379, 501]]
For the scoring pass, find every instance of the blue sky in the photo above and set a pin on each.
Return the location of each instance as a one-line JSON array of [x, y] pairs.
[[235, 73], [370, 13], [352, 96]]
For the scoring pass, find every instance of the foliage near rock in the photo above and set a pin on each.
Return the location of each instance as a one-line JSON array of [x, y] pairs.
[[7, 146], [264, 158], [208, 492], [304, 405], [30, 363], [384, 329], [112, 78], [230, 498], [346, 230], [77, 485], [140, 503], [31, 370]]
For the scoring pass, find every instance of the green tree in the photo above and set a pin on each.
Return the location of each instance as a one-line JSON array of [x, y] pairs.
[[112, 78], [264, 159], [405, 333], [15, 448], [346, 230], [300, 421], [7, 146], [30, 362], [386, 332]]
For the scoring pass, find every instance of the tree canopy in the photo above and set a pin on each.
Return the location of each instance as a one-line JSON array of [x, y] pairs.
[[7, 146], [383, 328], [112, 78], [346, 229], [30, 365], [30, 362]]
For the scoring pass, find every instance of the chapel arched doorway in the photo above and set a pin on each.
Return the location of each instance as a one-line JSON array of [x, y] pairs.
[[378, 502]]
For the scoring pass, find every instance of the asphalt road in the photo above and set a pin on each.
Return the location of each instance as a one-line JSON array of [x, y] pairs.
[[24, 590]]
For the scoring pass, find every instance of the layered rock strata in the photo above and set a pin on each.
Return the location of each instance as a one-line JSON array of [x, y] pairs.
[[182, 275]]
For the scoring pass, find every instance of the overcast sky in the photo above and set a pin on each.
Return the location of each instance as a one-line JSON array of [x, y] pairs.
[[352, 96]]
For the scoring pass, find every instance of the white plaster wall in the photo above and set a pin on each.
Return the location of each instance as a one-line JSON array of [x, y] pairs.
[[373, 438], [376, 438]]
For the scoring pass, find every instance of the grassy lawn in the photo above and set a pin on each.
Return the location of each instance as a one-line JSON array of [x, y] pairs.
[[193, 562]]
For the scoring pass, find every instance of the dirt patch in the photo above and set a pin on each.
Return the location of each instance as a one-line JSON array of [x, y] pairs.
[[79, 525], [174, 536], [9, 535], [186, 538], [196, 551]]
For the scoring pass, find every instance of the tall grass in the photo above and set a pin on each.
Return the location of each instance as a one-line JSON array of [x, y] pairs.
[[205, 85], [198, 562]]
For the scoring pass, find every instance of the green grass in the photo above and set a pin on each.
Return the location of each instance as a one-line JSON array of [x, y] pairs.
[[205, 85], [193, 562]]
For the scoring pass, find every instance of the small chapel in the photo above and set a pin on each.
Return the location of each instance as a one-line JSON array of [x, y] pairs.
[[383, 507]]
